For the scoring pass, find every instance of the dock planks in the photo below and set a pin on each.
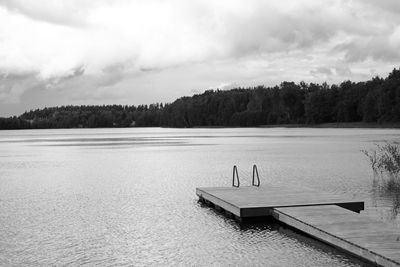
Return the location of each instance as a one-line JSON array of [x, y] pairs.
[[250, 201], [372, 240], [327, 217]]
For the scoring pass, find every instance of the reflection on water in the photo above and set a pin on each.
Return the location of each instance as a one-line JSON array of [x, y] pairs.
[[389, 190], [127, 196]]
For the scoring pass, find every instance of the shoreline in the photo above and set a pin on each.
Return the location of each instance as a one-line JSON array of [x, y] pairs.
[[394, 125], [342, 125]]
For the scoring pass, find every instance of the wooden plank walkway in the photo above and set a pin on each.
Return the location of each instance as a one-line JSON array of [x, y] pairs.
[[251, 201], [372, 240], [326, 217]]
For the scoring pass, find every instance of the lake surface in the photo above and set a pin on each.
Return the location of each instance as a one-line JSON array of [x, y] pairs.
[[127, 196]]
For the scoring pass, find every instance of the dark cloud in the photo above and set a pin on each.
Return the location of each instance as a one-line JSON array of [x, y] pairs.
[[375, 48], [391, 6], [14, 85], [69, 13], [343, 71], [321, 70]]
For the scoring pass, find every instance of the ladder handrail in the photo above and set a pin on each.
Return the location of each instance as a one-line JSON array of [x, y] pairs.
[[255, 171], [233, 177]]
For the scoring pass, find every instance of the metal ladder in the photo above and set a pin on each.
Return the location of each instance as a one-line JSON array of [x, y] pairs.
[[236, 175]]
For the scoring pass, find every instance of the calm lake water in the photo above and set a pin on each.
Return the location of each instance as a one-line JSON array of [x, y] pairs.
[[127, 196]]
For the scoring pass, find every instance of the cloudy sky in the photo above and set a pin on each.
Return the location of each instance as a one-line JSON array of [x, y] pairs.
[[145, 51]]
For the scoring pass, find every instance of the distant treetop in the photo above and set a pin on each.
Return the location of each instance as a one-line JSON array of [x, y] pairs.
[[376, 100]]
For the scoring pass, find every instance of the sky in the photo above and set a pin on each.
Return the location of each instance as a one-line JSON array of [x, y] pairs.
[[131, 52]]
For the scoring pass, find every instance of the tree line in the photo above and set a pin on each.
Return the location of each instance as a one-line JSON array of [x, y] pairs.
[[376, 100]]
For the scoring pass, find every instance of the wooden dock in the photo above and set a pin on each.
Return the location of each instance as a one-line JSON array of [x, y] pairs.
[[327, 217]]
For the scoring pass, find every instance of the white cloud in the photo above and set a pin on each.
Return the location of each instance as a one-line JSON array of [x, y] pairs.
[[225, 86], [119, 42]]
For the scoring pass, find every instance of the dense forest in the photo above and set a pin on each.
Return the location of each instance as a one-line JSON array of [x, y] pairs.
[[376, 100]]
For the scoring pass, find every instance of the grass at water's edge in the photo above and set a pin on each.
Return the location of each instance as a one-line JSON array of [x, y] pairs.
[[385, 163]]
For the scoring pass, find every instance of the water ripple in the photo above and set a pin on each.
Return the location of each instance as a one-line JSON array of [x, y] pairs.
[[64, 203]]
